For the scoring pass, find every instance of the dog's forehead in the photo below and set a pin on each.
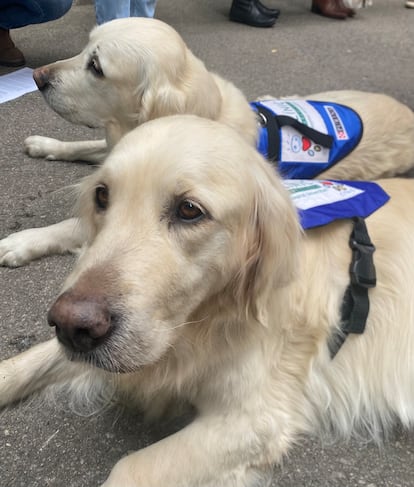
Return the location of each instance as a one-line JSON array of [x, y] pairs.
[[187, 145], [137, 31], [122, 45], [159, 166]]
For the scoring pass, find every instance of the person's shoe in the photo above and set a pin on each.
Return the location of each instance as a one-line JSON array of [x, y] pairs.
[[248, 12], [409, 3], [267, 10], [334, 9], [9, 54]]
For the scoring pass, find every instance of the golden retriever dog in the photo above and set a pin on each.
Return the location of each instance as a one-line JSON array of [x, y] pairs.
[[135, 70], [201, 287]]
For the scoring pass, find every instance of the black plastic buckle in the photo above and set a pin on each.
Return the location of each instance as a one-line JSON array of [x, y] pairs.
[[362, 269]]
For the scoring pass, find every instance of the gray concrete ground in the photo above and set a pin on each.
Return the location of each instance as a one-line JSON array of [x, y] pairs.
[[47, 445]]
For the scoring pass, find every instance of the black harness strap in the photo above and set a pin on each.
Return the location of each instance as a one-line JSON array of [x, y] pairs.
[[355, 306], [268, 120], [273, 123], [318, 137]]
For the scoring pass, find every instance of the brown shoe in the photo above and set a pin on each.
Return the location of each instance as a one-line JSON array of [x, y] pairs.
[[9, 54], [334, 9]]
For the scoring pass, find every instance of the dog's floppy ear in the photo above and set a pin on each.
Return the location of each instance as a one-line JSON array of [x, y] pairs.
[[186, 87], [269, 246], [161, 99]]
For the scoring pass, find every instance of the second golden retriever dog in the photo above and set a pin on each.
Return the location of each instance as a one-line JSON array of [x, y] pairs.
[[134, 70], [201, 287], [137, 69]]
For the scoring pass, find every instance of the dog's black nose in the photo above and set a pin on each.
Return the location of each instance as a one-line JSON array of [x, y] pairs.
[[41, 77], [82, 322]]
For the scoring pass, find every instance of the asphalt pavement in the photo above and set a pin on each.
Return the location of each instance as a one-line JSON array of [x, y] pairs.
[[45, 444]]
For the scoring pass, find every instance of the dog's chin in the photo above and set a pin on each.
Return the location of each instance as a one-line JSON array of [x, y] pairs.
[[73, 118], [103, 361], [66, 112]]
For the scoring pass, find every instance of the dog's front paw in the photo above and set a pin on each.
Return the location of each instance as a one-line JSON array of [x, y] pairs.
[[17, 249], [39, 146]]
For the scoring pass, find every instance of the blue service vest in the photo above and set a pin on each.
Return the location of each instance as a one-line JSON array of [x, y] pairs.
[[320, 202], [306, 137]]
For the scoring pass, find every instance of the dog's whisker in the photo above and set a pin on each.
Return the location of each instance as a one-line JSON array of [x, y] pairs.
[[187, 323]]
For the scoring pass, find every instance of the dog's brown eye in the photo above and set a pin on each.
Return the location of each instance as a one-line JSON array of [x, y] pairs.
[[188, 211], [95, 67], [102, 197]]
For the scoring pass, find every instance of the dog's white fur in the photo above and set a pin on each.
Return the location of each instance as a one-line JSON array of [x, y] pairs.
[[148, 72], [232, 312]]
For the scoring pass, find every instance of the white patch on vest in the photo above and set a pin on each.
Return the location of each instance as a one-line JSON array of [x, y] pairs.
[[295, 147], [337, 123], [307, 193]]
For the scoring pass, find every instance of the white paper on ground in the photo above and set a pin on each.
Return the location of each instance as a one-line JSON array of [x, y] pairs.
[[16, 84]]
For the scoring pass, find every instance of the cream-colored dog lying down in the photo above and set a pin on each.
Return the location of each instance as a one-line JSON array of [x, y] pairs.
[[134, 70], [201, 287], [137, 69]]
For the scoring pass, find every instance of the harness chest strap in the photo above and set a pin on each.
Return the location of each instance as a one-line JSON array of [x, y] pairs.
[[320, 202], [355, 306]]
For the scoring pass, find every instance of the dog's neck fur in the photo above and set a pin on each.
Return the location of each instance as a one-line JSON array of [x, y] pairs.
[[233, 102], [210, 96], [116, 129]]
